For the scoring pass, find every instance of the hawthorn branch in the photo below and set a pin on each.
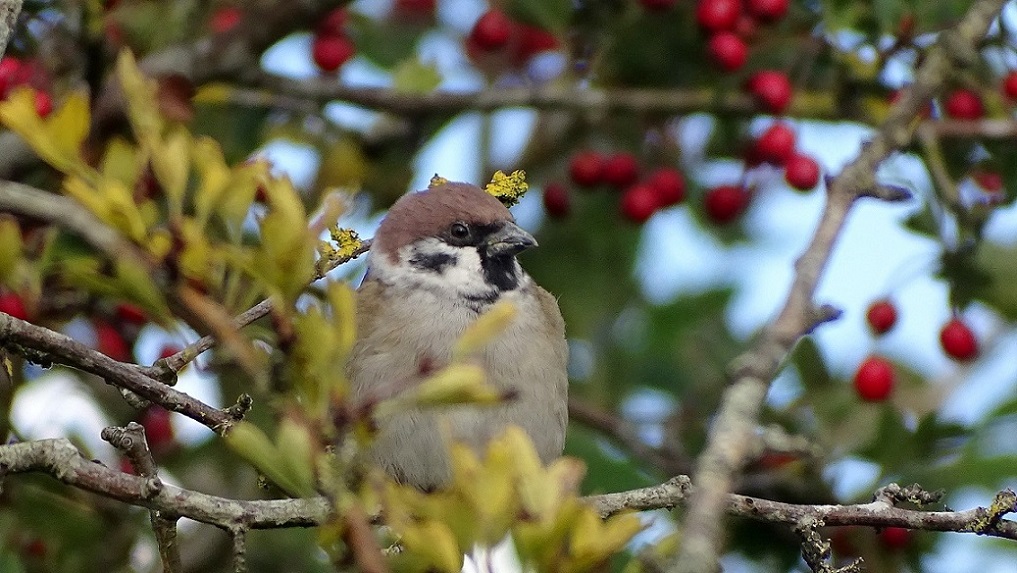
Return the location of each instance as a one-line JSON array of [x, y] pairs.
[[60, 459], [730, 438]]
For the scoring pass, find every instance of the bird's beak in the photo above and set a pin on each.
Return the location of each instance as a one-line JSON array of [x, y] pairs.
[[509, 240]]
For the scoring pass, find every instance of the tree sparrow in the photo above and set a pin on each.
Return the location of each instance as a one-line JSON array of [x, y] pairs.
[[439, 259]]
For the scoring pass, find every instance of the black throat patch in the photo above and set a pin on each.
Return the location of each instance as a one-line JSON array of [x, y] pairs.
[[499, 272]]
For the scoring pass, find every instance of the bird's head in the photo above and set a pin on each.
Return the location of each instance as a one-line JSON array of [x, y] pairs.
[[453, 237]]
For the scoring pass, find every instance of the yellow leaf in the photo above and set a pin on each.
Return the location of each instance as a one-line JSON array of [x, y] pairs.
[[486, 328], [120, 162], [83, 193], [252, 444], [214, 178], [58, 139], [67, 128], [213, 93], [171, 164], [296, 449], [430, 546], [140, 92], [344, 323]]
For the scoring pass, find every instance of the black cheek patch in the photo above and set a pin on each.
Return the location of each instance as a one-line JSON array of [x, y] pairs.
[[499, 272], [434, 262]]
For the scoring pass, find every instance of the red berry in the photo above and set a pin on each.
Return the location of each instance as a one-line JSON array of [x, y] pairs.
[[895, 538], [772, 90], [728, 50], [777, 144], [874, 379], [556, 200], [492, 31], [801, 172], [333, 24], [620, 170], [110, 342], [991, 181], [725, 203], [12, 304], [658, 5], [225, 19], [1009, 85], [958, 341], [10, 72], [126, 466], [158, 428], [668, 184], [331, 52], [881, 316], [532, 41], [638, 203], [35, 548], [586, 168], [43, 103], [168, 350], [131, 313], [717, 15], [964, 104], [767, 10]]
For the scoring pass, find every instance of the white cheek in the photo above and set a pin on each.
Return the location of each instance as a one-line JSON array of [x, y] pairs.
[[464, 277]]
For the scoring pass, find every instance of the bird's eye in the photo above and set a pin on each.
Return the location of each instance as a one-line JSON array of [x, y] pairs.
[[459, 231]]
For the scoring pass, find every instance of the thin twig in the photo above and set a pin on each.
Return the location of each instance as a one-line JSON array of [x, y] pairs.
[[130, 440], [730, 436], [45, 346]]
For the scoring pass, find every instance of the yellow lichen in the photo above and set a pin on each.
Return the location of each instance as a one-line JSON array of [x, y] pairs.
[[436, 181], [508, 188]]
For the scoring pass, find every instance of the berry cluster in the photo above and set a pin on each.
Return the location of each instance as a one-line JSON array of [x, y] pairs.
[[640, 198], [874, 380], [496, 42], [776, 146], [731, 23]]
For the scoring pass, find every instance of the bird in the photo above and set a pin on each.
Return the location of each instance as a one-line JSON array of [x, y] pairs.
[[439, 259]]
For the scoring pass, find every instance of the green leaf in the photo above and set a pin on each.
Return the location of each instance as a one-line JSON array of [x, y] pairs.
[[809, 362], [553, 15], [415, 77]]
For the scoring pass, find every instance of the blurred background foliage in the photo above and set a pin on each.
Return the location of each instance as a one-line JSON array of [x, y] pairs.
[[646, 373]]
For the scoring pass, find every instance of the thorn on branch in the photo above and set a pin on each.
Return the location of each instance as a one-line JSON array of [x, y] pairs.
[[819, 315], [890, 193]]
